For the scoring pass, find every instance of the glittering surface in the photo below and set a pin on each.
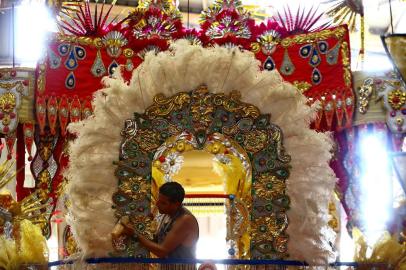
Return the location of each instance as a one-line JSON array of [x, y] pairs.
[[231, 130]]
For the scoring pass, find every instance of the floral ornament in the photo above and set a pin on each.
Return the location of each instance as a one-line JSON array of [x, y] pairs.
[[152, 22], [114, 40], [14, 86], [226, 21], [268, 41], [365, 91], [396, 99], [7, 105], [171, 164]]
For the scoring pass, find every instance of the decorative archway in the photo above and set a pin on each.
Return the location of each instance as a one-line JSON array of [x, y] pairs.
[[93, 168], [200, 117]]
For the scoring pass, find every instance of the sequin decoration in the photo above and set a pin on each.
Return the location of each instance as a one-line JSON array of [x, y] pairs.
[[269, 64], [129, 66], [183, 122], [315, 59], [226, 18], [114, 40], [70, 81], [71, 62], [44, 168], [305, 50], [54, 60], [63, 49], [316, 76], [332, 55], [323, 46], [98, 69], [112, 67], [287, 67], [80, 52]]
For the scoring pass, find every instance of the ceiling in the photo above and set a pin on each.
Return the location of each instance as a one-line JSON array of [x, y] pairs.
[[197, 174]]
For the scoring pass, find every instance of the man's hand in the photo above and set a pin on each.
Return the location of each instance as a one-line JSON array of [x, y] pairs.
[[128, 227]]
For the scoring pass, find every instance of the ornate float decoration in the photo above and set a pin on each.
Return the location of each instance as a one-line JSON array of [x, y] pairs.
[[77, 59], [226, 106], [391, 92], [17, 87], [224, 126], [90, 46]]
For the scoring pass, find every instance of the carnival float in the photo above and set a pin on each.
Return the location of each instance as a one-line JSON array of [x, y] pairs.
[[118, 105]]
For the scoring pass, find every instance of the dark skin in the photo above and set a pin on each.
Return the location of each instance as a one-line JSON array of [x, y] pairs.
[[185, 230]]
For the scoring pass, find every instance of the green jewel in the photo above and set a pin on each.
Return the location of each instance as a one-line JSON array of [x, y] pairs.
[[271, 148], [270, 164], [262, 228], [284, 201], [164, 135], [133, 206], [239, 138], [136, 187], [134, 164], [262, 122], [201, 137], [119, 198], [268, 207], [269, 186], [283, 173], [216, 129], [123, 173], [140, 226], [146, 124], [132, 146]]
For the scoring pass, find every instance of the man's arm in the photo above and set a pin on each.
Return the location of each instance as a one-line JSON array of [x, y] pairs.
[[175, 237]]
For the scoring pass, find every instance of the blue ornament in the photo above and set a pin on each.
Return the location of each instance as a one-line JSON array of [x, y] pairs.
[[231, 251]]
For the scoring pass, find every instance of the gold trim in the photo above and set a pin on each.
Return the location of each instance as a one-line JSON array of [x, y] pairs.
[[79, 40], [26, 111], [17, 69], [346, 63], [128, 53], [9, 86], [302, 86], [338, 33], [41, 81]]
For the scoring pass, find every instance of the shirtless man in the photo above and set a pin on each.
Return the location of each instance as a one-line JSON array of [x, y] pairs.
[[178, 230]]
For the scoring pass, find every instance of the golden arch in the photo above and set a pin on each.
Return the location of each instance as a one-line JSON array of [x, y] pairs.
[[202, 120]]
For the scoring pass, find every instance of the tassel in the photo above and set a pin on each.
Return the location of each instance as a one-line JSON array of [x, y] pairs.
[[75, 108], [349, 107], [338, 106], [63, 114], [87, 109], [41, 113], [28, 138], [52, 113], [10, 140]]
